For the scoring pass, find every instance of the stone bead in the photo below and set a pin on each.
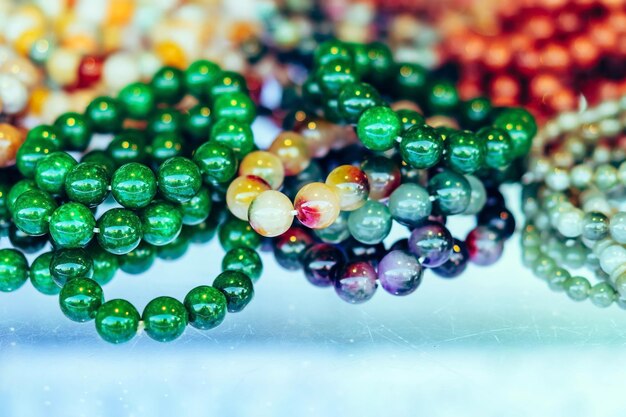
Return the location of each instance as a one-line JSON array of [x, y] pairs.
[[476, 112], [40, 275], [80, 299], [612, 257], [138, 260], [605, 177], [17, 190], [32, 211], [291, 149], [73, 130], [161, 222], [234, 134], [332, 50], [465, 152], [602, 295], [498, 147], [13, 270], [235, 233], [442, 97], [456, 264], [570, 223], [431, 243], [498, 218], [51, 171], [137, 100], [133, 185], [119, 231], [179, 179], [165, 146], [68, 264], [383, 176], [577, 288], [399, 273], [265, 165], [371, 223], [31, 152], [72, 226], [105, 115], [421, 147], [270, 213], [105, 264], [322, 264], [241, 192], [168, 84], [356, 98], [381, 63], [196, 210], [452, 192], [46, 132], [87, 183], [197, 122], [617, 227], [244, 260], [164, 120], [117, 321], [620, 284], [317, 205], [333, 76], [484, 245], [216, 162], [351, 186], [206, 306], [237, 106], [102, 159], [356, 283], [409, 204], [165, 319], [227, 82], [478, 195], [378, 128], [411, 80], [128, 146], [237, 287], [289, 247], [409, 118], [337, 232], [557, 279], [521, 127], [175, 249], [198, 77]]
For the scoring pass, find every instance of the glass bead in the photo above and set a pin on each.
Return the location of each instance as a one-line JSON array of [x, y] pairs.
[[371, 223], [378, 128], [410, 81], [291, 149], [270, 213], [360, 57], [216, 162], [72, 226], [409, 118], [161, 222], [13, 270], [197, 122], [265, 165], [40, 275], [237, 106], [80, 299], [498, 147], [465, 152], [452, 192], [31, 152], [456, 264], [133, 185], [409, 204], [431, 243], [543, 266], [198, 77], [206, 306], [290, 246], [25, 242], [165, 319], [119, 231], [164, 120], [317, 205], [128, 146], [356, 98], [235, 233], [602, 295], [137, 100], [74, 131], [117, 321], [245, 260], [168, 84], [105, 115], [399, 273], [51, 171], [179, 179], [241, 192], [442, 97], [331, 51], [32, 211], [138, 260], [311, 91], [105, 264], [351, 185], [383, 176], [227, 82], [197, 209], [334, 75], [17, 190], [421, 146], [102, 159], [237, 287], [165, 146], [577, 288], [484, 245], [499, 219], [89, 71], [356, 283], [521, 127], [337, 232], [475, 112], [68, 264], [87, 183], [322, 264]]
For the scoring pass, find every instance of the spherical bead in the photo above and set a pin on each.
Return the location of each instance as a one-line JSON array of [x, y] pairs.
[[245, 260], [161, 222], [13, 270], [317, 205], [51, 171], [484, 245], [87, 183], [476, 112], [334, 75], [478, 195], [456, 264], [74, 131], [165, 319], [337, 232], [234, 134], [322, 264], [270, 213], [32, 211], [198, 121], [356, 283], [80, 299], [291, 149], [165, 146], [351, 185], [72, 226], [411, 80], [399, 273], [40, 275], [409, 118], [570, 223], [577, 288], [235, 233], [102, 159], [227, 82], [602, 295], [126, 147], [119, 231], [499, 219], [105, 115], [241, 192], [198, 77], [11, 139], [164, 120], [332, 51], [24, 242], [31, 152], [465, 152], [216, 162], [371, 223], [237, 287], [452, 192], [206, 306], [265, 165], [168, 85], [237, 106], [133, 185], [117, 321], [421, 147], [179, 179], [138, 260], [432, 243], [175, 249], [196, 210], [378, 128], [13, 94], [290, 246], [67, 264], [137, 99], [442, 97], [383, 176], [105, 264], [498, 147], [521, 127], [617, 227], [356, 98], [409, 204]]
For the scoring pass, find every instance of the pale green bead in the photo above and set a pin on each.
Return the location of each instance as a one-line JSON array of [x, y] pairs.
[[612, 257], [554, 249], [553, 199], [557, 179], [575, 256], [602, 295], [530, 255], [617, 227], [556, 279], [621, 173], [581, 176], [409, 204], [531, 237], [371, 223], [605, 177], [336, 232], [570, 222], [543, 267], [478, 196], [577, 288], [620, 284]]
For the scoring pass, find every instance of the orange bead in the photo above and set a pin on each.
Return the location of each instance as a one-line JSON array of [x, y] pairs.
[[37, 99], [120, 12], [291, 149], [319, 135], [171, 54], [241, 192], [11, 139]]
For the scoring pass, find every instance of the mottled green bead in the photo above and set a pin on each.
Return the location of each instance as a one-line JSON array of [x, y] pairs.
[[197, 122], [137, 99], [105, 264], [225, 83], [46, 132], [442, 97], [138, 260], [179, 179], [235, 233], [334, 75], [421, 147], [216, 162], [206, 306], [381, 66], [133, 185], [499, 149], [119, 231], [80, 299], [236, 135], [199, 76], [378, 128], [337, 232], [128, 146], [32, 211], [177, 248], [602, 295], [557, 278], [355, 98], [198, 208], [168, 84], [409, 204], [162, 222], [475, 112], [245, 260], [23, 242], [411, 80], [31, 152], [102, 159], [69, 264], [165, 319], [71, 226], [165, 146], [166, 120], [521, 127], [452, 192], [105, 115], [87, 183], [543, 266], [410, 118], [371, 223], [117, 321], [40, 275], [332, 50], [577, 288], [17, 190], [237, 287], [13, 270], [360, 57], [51, 171], [74, 131], [465, 152], [236, 106]]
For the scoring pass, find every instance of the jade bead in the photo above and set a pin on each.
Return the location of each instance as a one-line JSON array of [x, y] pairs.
[[105, 115], [371, 223], [237, 287], [337, 232], [421, 147], [13, 270], [87, 183], [217, 162], [179, 179], [102, 159], [74, 130], [105, 264], [521, 127], [409, 204], [557, 279], [235, 233], [165, 319], [475, 112], [452, 192], [165, 146], [465, 152], [176, 248], [602, 295], [410, 118], [168, 84], [197, 122], [198, 208], [17, 190], [360, 57], [334, 75], [311, 91], [40, 275], [138, 100], [577, 288], [411, 80], [332, 51], [237, 106], [166, 120], [442, 97], [128, 146], [499, 149], [80, 299], [161, 222], [227, 82], [378, 128], [478, 199], [71, 226], [245, 260], [236, 135], [381, 64], [206, 306], [355, 98], [32, 211], [119, 231], [51, 171], [199, 76], [138, 260], [46, 132], [117, 321], [69, 264], [31, 152], [133, 185]]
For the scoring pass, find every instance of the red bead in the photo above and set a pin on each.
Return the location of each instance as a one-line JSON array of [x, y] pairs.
[[89, 71]]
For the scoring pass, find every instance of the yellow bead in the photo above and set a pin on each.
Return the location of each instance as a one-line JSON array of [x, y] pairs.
[[265, 165], [62, 66], [317, 205], [290, 147], [241, 192], [27, 39], [119, 12], [37, 99], [271, 213], [351, 185], [171, 54]]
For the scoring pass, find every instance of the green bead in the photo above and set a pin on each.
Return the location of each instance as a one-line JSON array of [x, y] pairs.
[[161, 222], [105, 264], [69, 264], [71, 226], [165, 146], [80, 299], [74, 131], [51, 171], [32, 211], [216, 162], [206, 306], [137, 99], [543, 266], [46, 132], [237, 287], [410, 204], [227, 82], [411, 80], [133, 185], [557, 279], [311, 92], [465, 152], [499, 149], [197, 209], [102, 159], [331, 110], [236, 106], [421, 147], [452, 192], [13, 270], [236, 135], [168, 84], [334, 75], [179, 179], [105, 115], [332, 51], [337, 232], [360, 58], [203, 232], [138, 260], [24, 242], [5, 214], [381, 66], [602, 295], [176, 248], [235, 233], [245, 260], [521, 127], [371, 223], [40, 275], [87, 183], [167, 120], [165, 319], [475, 112], [197, 122], [577, 288], [117, 321], [31, 152], [410, 118], [378, 128], [442, 97], [355, 98], [199, 76], [17, 190], [119, 231], [127, 147]]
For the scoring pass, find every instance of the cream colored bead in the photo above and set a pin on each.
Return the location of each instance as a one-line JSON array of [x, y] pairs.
[[62, 67], [23, 70], [119, 70], [271, 213], [612, 257], [241, 192], [13, 94]]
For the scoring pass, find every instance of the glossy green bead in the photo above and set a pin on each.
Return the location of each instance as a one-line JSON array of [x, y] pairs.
[[165, 319], [128, 146], [237, 106], [371, 223], [117, 321], [199, 76], [51, 171], [32, 211], [74, 131], [80, 299], [197, 122], [13, 270], [69, 264], [46, 132], [235, 135], [332, 50], [87, 183], [411, 80], [133, 185], [168, 84], [465, 152], [176, 248], [602, 295], [355, 98], [23, 242], [475, 112], [227, 82], [102, 159], [40, 276], [360, 57], [311, 91], [378, 128], [165, 146], [409, 204], [72, 226], [235, 233], [337, 232], [237, 287], [197, 209], [5, 214], [179, 179], [381, 66], [331, 110], [137, 99], [410, 118], [577, 288], [452, 192], [161, 222], [499, 149], [245, 260], [17, 190], [138, 260], [119, 231], [334, 75], [165, 120], [31, 152], [105, 264], [521, 127], [105, 115], [206, 306], [216, 162], [442, 97], [421, 147]]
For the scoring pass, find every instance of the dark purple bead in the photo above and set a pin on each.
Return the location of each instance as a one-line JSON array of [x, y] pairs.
[[499, 219], [484, 245], [494, 198], [457, 263], [400, 273], [357, 251], [356, 283], [431, 242], [322, 264], [290, 246], [401, 244]]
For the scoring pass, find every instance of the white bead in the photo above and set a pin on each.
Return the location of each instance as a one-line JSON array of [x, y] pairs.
[[617, 227], [568, 121], [271, 213], [570, 223], [612, 258], [119, 70], [62, 66], [602, 245], [149, 63], [557, 179], [13, 94], [581, 175]]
